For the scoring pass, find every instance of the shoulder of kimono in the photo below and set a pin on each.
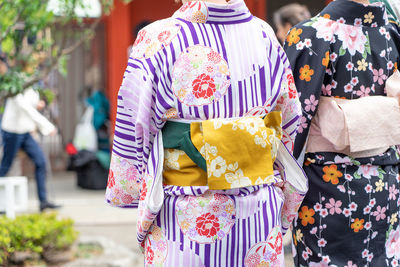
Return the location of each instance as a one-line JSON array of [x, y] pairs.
[[270, 33], [155, 37]]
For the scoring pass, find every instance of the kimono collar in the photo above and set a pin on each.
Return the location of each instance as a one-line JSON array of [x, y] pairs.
[[233, 12], [352, 13]]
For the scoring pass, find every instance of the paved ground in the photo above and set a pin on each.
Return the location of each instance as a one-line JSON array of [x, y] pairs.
[[91, 215]]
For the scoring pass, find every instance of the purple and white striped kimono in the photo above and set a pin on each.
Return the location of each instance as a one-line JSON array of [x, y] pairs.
[[206, 61]]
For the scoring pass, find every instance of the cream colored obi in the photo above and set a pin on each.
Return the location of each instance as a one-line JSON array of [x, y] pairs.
[[362, 127], [223, 153]]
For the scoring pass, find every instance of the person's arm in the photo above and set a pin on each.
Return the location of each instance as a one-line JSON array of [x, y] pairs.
[[43, 124], [142, 102], [309, 58]]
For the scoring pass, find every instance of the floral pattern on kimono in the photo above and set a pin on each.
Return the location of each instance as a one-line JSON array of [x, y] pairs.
[[351, 209], [181, 69]]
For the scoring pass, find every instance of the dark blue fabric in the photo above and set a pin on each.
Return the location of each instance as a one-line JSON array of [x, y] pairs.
[[12, 143]]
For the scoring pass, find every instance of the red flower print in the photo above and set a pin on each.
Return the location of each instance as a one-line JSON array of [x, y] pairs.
[[207, 225], [184, 7], [214, 57], [127, 199], [143, 191], [140, 37], [149, 255], [278, 243], [203, 86], [292, 86], [111, 179], [162, 37]]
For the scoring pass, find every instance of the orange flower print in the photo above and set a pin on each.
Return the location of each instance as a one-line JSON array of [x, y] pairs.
[[331, 174], [199, 17], [325, 60], [327, 16], [306, 73], [294, 36], [307, 216], [308, 161], [395, 66], [357, 225]]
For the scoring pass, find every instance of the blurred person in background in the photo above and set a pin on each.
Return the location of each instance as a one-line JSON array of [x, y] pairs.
[[195, 84], [288, 16], [21, 117], [344, 61]]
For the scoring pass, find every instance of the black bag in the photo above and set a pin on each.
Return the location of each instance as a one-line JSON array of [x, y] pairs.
[[90, 173]]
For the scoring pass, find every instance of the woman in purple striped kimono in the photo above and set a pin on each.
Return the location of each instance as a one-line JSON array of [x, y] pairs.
[[195, 85]]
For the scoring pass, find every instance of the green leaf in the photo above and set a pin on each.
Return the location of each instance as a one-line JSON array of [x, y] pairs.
[[368, 46], [63, 66], [365, 55], [388, 231], [357, 176], [342, 51]]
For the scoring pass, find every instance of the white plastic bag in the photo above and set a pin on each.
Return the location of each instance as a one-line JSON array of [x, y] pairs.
[[85, 136]]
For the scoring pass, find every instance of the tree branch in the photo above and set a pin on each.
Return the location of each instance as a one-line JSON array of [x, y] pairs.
[[61, 52], [83, 39], [12, 27]]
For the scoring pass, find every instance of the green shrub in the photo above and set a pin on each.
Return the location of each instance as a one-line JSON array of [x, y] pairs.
[[35, 233]]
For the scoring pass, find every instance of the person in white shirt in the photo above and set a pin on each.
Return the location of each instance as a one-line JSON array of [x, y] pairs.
[[20, 118]]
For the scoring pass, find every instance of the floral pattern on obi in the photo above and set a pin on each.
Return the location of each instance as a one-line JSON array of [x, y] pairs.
[[206, 218], [200, 76], [227, 166], [156, 247], [155, 37], [269, 253], [194, 11], [124, 184]]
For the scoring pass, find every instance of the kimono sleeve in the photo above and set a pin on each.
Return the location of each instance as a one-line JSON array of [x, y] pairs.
[[290, 173], [138, 121], [309, 59], [288, 103]]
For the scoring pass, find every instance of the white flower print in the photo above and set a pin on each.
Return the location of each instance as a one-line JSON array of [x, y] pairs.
[[218, 166], [368, 170], [237, 179], [322, 242], [350, 66], [300, 46], [353, 38], [266, 180], [348, 88], [211, 149], [171, 159], [347, 212], [260, 141]]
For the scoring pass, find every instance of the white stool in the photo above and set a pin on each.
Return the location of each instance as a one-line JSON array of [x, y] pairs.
[[13, 195]]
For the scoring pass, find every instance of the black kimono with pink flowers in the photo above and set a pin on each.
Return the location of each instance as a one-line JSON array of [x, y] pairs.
[[350, 216]]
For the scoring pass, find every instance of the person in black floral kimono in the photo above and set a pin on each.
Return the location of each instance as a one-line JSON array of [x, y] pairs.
[[342, 62]]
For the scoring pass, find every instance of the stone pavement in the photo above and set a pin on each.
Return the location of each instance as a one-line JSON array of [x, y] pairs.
[[92, 216]]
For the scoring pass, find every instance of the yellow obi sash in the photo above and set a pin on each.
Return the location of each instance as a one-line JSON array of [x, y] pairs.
[[222, 153]]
